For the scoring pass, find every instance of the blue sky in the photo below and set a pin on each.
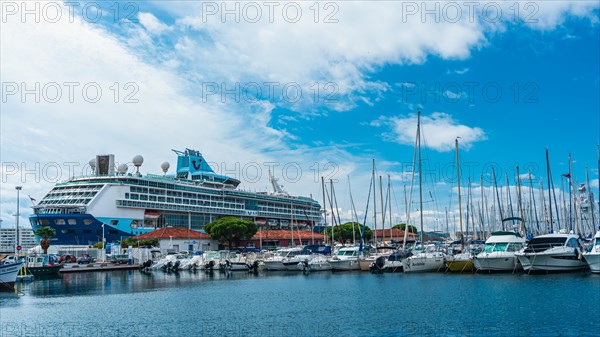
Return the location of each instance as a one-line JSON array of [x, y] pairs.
[[377, 64]]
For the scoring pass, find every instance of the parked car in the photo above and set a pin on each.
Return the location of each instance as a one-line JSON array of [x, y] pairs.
[[67, 258], [85, 258], [119, 258]]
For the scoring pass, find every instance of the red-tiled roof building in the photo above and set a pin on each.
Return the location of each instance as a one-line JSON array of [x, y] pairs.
[[175, 239]]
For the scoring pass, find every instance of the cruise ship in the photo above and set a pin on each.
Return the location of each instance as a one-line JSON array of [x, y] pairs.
[[114, 203]]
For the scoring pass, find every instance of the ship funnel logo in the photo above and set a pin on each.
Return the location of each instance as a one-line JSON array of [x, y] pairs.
[[196, 164]]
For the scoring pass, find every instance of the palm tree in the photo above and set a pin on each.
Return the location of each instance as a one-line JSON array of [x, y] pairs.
[[45, 233]]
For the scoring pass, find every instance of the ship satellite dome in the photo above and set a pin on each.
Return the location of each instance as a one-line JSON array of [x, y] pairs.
[[123, 168], [165, 166], [138, 160], [92, 163]]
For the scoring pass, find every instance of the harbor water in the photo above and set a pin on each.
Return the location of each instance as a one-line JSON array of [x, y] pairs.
[[131, 303]]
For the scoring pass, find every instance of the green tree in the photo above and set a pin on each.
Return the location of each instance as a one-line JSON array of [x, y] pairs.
[[345, 230], [231, 229], [45, 233], [402, 226], [138, 243]]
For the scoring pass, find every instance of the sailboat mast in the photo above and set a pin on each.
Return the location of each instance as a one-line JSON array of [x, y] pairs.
[[462, 241], [590, 198], [420, 173], [483, 207], [390, 206], [382, 210], [324, 205], [520, 201], [549, 190], [533, 203], [570, 195], [498, 198], [354, 211], [374, 202]]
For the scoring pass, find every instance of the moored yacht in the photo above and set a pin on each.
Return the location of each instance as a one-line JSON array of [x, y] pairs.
[[276, 261], [430, 260], [8, 274], [552, 252], [592, 257], [346, 259], [499, 252]]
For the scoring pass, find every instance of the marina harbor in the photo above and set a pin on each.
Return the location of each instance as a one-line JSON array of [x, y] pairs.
[[300, 168]]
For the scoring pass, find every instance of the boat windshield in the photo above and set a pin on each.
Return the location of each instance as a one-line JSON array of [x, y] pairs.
[[346, 253], [489, 247], [548, 241], [541, 244], [514, 247], [212, 256], [500, 247]]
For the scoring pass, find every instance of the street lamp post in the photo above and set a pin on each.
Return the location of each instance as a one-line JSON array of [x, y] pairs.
[[103, 245], [18, 188]]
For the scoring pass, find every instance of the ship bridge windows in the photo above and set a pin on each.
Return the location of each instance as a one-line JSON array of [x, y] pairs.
[[572, 243], [114, 222], [59, 222], [87, 221], [72, 221]]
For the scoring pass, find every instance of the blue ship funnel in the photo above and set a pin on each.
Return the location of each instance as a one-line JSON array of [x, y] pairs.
[[192, 165]]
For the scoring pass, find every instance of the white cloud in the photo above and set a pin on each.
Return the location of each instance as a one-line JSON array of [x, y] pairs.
[[439, 131], [152, 24]]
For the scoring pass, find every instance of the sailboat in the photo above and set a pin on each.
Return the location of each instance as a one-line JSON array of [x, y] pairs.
[[460, 262], [431, 257]]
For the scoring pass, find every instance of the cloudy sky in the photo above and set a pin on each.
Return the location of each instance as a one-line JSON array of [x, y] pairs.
[[309, 88]]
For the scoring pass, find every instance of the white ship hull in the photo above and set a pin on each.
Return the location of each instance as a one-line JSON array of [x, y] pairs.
[[593, 261], [8, 274], [496, 262], [565, 261], [424, 263], [347, 264], [321, 266], [274, 265]]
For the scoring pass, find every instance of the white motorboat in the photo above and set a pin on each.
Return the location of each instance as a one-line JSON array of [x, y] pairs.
[[8, 274], [240, 262], [319, 263], [592, 257], [298, 262], [552, 252], [275, 262], [499, 252], [346, 259], [191, 263], [430, 260], [371, 255]]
